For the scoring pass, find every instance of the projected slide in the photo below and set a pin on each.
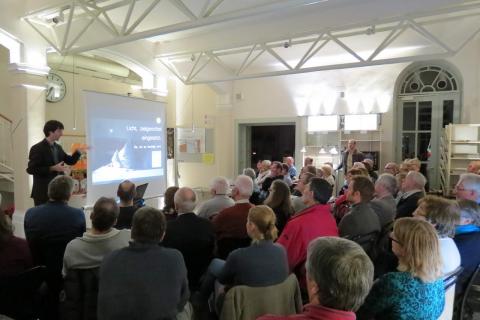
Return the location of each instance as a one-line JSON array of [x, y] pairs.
[[126, 149]]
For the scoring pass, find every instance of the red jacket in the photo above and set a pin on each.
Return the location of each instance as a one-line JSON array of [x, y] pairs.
[[315, 312], [310, 223]]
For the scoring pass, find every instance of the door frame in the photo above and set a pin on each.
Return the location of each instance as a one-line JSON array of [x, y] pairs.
[[242, 138]]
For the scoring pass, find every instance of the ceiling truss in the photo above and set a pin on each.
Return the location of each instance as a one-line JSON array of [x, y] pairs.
[[211, 66]]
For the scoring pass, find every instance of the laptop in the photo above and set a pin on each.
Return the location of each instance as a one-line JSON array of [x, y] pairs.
[[140, 192]]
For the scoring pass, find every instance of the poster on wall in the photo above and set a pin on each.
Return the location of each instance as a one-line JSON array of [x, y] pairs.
[[170, 143], [191, 141], [79, 170]]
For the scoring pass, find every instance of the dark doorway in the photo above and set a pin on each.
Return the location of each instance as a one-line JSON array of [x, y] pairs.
[[272, 143]]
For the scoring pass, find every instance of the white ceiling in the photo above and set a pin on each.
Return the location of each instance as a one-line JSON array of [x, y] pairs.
[[217, 36]]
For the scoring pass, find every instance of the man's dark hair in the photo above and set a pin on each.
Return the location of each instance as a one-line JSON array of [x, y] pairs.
[[148, 225], [277, 164], [105, 213], [322, 190], [365, 186], [124, 193], [60, 188], [285, 167], [51, 126]]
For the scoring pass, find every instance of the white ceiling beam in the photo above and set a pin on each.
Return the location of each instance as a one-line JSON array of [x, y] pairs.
[[127, 17], [184, 9], [422, 31], [345, 47], [387, 41], [54, 46], [212, 8], [69, 25], [199, 69], [314, 52], [110, 28], [142, 16]]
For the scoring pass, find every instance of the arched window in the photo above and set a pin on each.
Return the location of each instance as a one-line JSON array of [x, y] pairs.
[[428, 98]]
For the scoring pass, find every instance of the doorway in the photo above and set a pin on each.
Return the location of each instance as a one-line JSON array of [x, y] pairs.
[[265, 141]]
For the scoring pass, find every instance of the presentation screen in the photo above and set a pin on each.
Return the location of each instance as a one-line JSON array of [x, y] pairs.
[[127, 139]]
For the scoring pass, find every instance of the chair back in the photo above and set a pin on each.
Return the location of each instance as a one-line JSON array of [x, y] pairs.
[[449, 281], [227, 245], [20, 298], [368, 242], [78, 300], [470, 302], [245, 303]]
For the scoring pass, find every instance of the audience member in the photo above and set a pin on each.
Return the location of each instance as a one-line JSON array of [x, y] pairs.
[[292, 171], [413, 164], [88, 251], [145, 280], [391, 167], [350, 156], [361, 220], [280, 202], [308, 161], [416, 291], [191, 235], [468, 187], [339, 277], [48, 229], [255, 197], [264, 172], [286, 176], [261, 264], [230, 222], [259, 168], [314, 221], [384, 203], [297, 201], [275, 174], [220, 200], [310, 169], [473, 167], [467, 239], [14, 251], [444, 215], [169, 204], [368, 163], [327, 174], [126, 193], [412, 190]]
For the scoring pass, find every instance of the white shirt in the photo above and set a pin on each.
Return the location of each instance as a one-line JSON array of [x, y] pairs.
[[449, 254]]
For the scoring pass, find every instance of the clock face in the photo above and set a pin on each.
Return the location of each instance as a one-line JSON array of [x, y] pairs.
[[56, 88]]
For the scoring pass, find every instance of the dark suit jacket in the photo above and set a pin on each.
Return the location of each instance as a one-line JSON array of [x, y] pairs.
[[405, 207], [195, 239], [40, 160], [356, 157]]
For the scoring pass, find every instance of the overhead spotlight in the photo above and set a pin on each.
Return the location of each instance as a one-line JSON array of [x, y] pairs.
[[287, 44], [370, 30]]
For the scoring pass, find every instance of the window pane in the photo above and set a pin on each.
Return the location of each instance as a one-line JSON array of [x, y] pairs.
[[425, 115], [408, 145], [423, 149], [409, 116], [447, 112]]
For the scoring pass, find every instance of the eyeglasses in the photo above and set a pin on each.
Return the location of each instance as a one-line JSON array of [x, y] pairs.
[[394, 240]]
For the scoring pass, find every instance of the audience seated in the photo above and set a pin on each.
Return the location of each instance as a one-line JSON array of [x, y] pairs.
[[413, 164], [88, 251], [339, 277], [264, 172], [275, 174], [327, 174], [384, 203], [169, 205], [292, 171], [14, 252], [297, 201], [255, 197], [314, 221], [145, 280], [444, 215], [361, 220], [126, 194], [83, 257], [468, 187], [191, 235], [280, 202], [392, 168], [230, 222], [412, 190], [467, 239], [311, 169], [368, 163], [416, 291], [48, 229], [473, 167], [286, 176], [220, 200]]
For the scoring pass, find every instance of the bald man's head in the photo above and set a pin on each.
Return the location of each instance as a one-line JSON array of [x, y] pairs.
[[185, 200], [126, 191]]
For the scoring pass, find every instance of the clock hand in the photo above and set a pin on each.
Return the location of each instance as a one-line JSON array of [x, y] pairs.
[[49, 91]]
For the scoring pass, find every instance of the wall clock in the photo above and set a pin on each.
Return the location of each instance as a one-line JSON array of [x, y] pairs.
[[56, 88]]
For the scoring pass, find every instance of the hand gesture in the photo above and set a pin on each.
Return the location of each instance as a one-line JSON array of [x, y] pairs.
[[59, 167]]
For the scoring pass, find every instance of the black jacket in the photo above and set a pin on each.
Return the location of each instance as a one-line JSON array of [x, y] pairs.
[[406, 206], [40, 160]]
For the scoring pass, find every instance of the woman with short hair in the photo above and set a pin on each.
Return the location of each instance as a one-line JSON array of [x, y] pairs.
[[416, 291], [444, 216], [281, 203]]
